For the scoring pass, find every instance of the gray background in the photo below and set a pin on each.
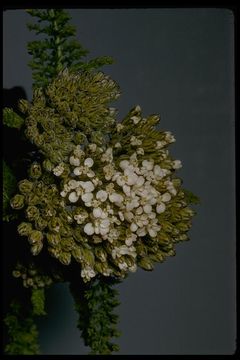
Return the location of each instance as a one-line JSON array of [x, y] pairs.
[[179, 63]]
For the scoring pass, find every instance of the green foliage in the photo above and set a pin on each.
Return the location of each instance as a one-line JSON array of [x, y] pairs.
[[59, 49], [191, 198], [22, 332], [11, 119], [38, 301], [9, 187], [97, 320]]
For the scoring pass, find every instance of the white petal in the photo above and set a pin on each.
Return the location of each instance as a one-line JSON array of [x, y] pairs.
[[87, 197], [97, 212], [166, 197], [77, 170], [160, 208], [152, 233], [88, 186], [124, 164], [73, 197], [102, 195], [116, 198], [89, 162], [147, 208], [89, 229], [133, 227]]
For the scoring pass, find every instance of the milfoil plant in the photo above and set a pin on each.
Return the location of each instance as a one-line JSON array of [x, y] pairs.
[[99, 198]]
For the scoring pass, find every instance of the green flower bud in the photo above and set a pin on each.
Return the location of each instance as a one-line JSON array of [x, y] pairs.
[[67, 244], [55, 224], [77, 253], [24, 105], [17, 202], [183, 226], [35, 171], [186, 214], [53, 239], [65, 258], [79, 138], [32, 199], [97, 138], [25, 186], [55, 251], [35, 236], [36, 248], [146, 263], [98, 267], [32, 213], [16, 273], [88, 256], [48, 165], [40, 223], [100, 253], [24, 229]]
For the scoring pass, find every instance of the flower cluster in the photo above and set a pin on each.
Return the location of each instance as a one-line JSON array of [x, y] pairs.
[[107, 196]]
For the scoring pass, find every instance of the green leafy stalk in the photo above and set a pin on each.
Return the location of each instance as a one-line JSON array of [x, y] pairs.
[[22, 332], [11, 119], [9, 187], [59, 48], [97, 320]]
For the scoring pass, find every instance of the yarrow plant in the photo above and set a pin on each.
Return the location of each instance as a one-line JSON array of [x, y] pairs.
[[102, 197]]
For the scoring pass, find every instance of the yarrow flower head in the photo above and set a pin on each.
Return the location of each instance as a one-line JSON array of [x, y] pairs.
[[110, 202]]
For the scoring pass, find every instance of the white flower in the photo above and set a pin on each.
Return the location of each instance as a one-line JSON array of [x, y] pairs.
[[78, 152], [89, 229], [169, 137], [80, 218], [140, 151], [147, 165], [73, 197], [160, 144], [135, 141], [74, 161], [177, 164], [92, 147], [130, 239], [87, 273], [109, 171], [135, 119], [58, 170], [102, 195], [107, 156], [118, 145], [119, 127]]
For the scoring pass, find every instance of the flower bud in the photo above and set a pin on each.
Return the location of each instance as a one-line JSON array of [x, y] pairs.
[[32, 213], [25, 186], [35, 171], [97, 138], [40, 223], [17, 202], [47, 165], [35, 236], [36, 248], [24, 229], [79, 138], [77, 253], [53, 239], [65, 258], [146, 263]]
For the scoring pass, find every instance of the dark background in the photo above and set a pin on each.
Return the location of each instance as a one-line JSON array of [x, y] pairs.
[[179, 63]]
